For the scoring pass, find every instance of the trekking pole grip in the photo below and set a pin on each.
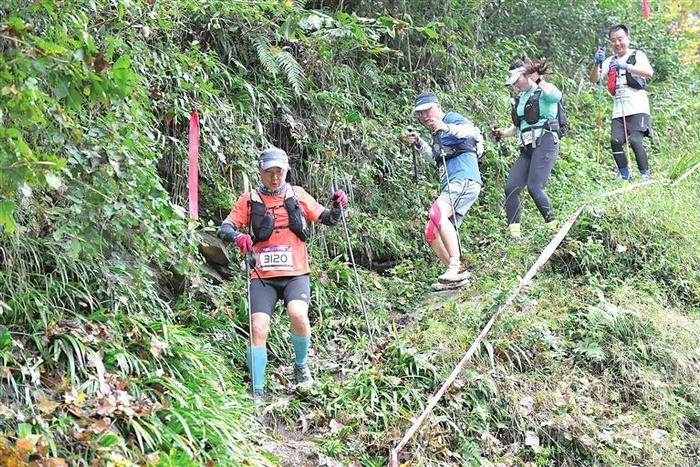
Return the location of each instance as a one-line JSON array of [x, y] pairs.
[[250, 260], [334, 188]]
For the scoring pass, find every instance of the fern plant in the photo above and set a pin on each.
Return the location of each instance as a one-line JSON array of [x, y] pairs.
[[299, 5], [275, 59], [292, 69]]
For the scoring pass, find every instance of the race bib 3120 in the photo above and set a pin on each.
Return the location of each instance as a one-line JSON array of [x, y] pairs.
[[276, 258]]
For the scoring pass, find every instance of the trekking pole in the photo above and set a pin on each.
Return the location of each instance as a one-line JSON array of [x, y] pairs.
[[624, 119], [354, 268], [600, 109], [600, 129], [414, 152], [452, 206], [248, 260], [498, 139]]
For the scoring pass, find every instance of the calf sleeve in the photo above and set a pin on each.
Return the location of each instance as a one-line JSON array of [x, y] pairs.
[[301, 349], [636, 140], [257, 364], [617, 144]]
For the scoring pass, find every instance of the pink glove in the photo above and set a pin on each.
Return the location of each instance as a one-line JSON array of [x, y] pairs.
[[339, 199], [245, 243]]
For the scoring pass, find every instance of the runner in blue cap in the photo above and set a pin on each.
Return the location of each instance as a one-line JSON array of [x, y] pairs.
[[455, 146]]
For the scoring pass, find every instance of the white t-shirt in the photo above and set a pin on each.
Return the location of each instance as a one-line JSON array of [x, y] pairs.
[[627, 100]]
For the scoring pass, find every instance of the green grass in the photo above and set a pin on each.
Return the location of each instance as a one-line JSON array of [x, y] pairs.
[[101, 294]]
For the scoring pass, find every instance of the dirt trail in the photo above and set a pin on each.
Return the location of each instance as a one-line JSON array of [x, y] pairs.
[[297, 445]]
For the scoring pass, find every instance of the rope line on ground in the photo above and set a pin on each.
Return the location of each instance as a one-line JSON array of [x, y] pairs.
[[686, 174]]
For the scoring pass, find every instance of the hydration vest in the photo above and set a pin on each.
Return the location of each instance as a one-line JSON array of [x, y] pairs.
[[635, 82], [612, 78], [262, 221], [449, 151], [531, 111]]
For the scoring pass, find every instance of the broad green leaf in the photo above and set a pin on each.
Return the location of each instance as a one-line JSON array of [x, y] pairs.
[[50, 48], [108, 440], [5, 339], [430, 32], [121, 72], [74, 249], [17, 24], [24, 430], [353, 117], [53, 180], [60, 90], [7, 209], [13, 133]]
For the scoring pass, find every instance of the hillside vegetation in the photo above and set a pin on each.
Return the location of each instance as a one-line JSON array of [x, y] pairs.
[[119, 346]]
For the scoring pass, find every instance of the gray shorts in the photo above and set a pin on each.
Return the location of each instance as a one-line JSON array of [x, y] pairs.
[[463, 193], [265, 293]]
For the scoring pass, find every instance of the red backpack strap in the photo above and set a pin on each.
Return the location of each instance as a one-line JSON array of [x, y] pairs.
[[612, 78]]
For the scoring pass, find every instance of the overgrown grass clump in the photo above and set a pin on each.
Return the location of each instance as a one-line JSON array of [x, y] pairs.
[[597, 364], [117, 349], [650, 234]]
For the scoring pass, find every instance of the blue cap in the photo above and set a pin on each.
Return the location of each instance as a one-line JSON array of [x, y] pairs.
[[424, 101], [273, 157]]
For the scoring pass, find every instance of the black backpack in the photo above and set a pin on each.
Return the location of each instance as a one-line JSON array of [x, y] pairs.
[[560, 125], [635, 82], [562, 118]]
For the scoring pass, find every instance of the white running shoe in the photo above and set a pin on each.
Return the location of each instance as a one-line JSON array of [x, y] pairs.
[[453, 274], [440, 286]]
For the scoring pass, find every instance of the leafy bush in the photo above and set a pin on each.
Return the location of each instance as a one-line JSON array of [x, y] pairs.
[[116, 348]]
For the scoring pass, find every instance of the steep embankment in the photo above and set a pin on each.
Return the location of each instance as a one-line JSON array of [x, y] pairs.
[[598, 363], [117, 348]]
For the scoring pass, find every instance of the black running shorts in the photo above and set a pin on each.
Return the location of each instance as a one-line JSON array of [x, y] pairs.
[[265, 293]]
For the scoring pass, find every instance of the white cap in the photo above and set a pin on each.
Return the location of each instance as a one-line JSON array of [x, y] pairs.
[[514, 74]]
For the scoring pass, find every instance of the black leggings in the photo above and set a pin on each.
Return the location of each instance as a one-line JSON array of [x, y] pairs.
[[637, 128], [532, 169]]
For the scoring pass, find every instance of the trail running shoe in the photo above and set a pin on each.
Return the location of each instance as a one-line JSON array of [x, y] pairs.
[[440, 286], [453, 273], [459, 277], [515, 232], [552, 225], [302, 376]]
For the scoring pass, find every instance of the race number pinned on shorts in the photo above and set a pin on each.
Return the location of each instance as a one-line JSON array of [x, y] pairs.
[[276, 258]]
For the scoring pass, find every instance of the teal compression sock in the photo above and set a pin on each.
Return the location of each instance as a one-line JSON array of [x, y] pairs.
[[257, 363], [301, 349]]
